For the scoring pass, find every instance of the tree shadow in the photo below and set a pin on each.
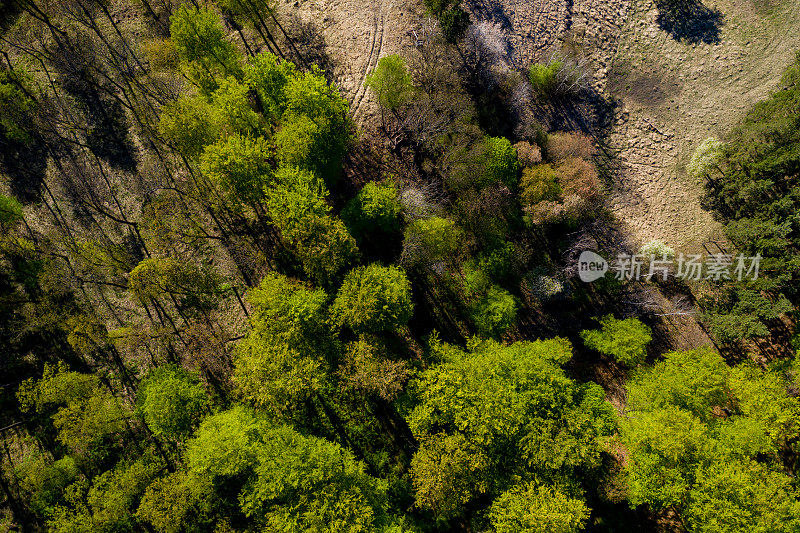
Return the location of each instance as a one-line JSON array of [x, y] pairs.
[[690, 21]]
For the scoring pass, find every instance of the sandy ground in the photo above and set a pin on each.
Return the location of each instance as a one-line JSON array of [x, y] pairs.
[[675, 94]]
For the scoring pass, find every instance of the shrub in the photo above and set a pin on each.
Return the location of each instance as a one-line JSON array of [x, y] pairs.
[[557, 77], [624, 340], [431, 240], [579, 177], [373, 299], [543, 78], [561, 146], [390, 81], [539, 183], [376, 207], [454, 23], [706, 158], [528, 154], [495, 313], [544, 288], [502, 165], [656, 248]]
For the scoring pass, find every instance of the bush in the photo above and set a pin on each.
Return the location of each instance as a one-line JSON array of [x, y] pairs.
[[454, 23], [431, 240], [656, 248], [706, 158], [373, 299], [561, 146], [624, 340], [539, 183], [544, 288], [543, 78], [528, 154], [579, 177], [495, 313], [390, 81], [502, 165], [557, 77], [376, 208]]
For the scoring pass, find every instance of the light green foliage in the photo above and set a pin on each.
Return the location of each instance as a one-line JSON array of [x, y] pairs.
[[694, 381], [175, 502], [373, 299], [531, 508], [272, 375], [83, 412], [448, 472], [287, 309], [390, 81], [10, 212], [369, 366], [43, 481], [742, 496], [307, 484], [543, 77], [432, 240], [694, 428], [239, 166], [231, 102], [495, 313], [290, 482], [316, 123], [226, 445], [624, 340], [502, 165], [539, 183], [320, 241], [376, 208], [115, 494], [515, 405], [190, 123], [268, 76], [706, 158], [171, 401], [204, 53], [657, 249]]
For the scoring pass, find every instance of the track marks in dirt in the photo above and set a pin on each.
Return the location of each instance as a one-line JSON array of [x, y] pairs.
[[375, 51]]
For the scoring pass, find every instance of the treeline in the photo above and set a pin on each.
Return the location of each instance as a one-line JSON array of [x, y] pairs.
[[212, 323]]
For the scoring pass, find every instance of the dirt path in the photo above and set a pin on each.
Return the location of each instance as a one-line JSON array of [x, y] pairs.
[[358, 33]]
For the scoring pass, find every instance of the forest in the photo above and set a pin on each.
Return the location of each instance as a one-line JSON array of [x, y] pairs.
[[228, 306]]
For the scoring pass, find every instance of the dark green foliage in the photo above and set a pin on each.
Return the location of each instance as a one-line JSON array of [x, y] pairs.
[[374, 210], [454, 22]]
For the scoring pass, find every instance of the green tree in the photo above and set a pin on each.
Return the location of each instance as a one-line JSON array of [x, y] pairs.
[[375, 209], [531, 508], [232, 104], [624, 340], [391, 82], [320, 241], [240, 166], [516, 407], [502, 165], [494, 313], [268, 76], [373, 299], [205, 55], [171, 401], [190, 124], [432, 240]]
